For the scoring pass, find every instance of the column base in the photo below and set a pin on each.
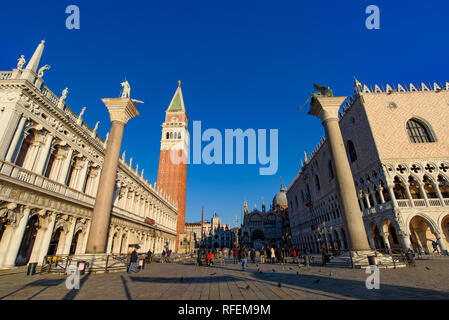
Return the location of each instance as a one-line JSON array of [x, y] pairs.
[[359, 259], [94, 263]]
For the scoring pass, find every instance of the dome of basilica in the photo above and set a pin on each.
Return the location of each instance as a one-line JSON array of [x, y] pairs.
[[280, 199]]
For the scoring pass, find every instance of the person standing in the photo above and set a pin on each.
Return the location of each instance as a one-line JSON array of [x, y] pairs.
[[149, 256], [253, 255], [200, 256], [235, 253], [262, 255], [244, 257], [133, 261], [273, 255]]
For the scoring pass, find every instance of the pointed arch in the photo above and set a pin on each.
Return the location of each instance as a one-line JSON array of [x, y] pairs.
[[419, 131]]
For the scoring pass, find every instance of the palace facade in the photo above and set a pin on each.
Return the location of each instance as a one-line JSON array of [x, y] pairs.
[[50, 163], [397, 143]]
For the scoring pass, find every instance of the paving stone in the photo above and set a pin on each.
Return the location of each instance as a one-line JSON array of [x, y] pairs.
[[229, 282]]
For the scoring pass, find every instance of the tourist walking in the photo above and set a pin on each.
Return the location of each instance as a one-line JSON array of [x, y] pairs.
[[435, 247], [133, 261], [235, 253]]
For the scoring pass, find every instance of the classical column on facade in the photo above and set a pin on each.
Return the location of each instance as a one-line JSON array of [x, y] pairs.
[[17, 219], [409, 195], [47, 222], [66, 162], [81, 178], [44, 154], [326, 109], [392, 196], [424, 194], [110, 239], [69, 235], [16, 140], [381, 194], [120, 110]]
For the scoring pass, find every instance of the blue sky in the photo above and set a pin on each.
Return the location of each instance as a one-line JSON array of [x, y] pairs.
[[243, 64]]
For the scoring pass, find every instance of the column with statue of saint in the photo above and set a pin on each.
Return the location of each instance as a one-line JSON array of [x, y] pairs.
[[121, 110]]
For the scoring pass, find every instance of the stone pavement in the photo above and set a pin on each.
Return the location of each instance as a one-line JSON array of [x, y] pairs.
[[428, 280]]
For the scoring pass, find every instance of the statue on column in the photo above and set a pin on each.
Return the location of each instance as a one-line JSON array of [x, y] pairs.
[[126, 89], [41, 70], [21, 62], [323, 92]]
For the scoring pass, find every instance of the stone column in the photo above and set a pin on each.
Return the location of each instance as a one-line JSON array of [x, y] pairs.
[[65, 166], [16, 140], [47, 232], [42, 160], [405, 239], [19, 231], [326, 108], [69, 236], [9, 119], [120, 111], [12, 236]]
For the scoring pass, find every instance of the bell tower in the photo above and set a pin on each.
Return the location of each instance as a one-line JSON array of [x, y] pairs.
[[172, 172]]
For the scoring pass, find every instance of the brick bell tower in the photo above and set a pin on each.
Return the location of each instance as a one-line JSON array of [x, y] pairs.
[[172, 173]]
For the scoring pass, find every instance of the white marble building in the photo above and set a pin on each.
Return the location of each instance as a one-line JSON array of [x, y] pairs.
[[397, 141], [50, 161]]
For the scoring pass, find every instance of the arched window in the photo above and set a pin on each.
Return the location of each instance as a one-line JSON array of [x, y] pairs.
[[317, 183], [50, 163], [167, 136], [171, 135], [418, 132], [399, 189], [331, 170], [443, 184], [351, 151]]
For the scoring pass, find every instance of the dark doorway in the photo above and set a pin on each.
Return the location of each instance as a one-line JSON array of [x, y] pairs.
[[53, 247], [29, 236], [74, 242]]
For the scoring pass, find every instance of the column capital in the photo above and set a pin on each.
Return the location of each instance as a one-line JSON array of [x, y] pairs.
[[326, 108], [121, 109]]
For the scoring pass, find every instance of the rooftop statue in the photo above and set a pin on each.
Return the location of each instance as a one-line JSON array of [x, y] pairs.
[[64, 93], [21, 62], [41, 70], [126, 89]]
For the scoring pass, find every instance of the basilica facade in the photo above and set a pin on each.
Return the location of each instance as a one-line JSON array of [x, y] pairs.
[[267, 228], [397, 144], [50, 163]]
